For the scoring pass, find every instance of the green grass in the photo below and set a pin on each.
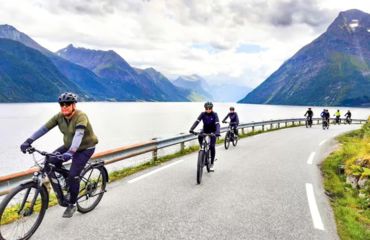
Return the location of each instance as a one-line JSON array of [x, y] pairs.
[[352, 213]]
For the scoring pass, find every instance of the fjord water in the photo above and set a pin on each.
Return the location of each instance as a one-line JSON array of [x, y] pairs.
[[118, 124]]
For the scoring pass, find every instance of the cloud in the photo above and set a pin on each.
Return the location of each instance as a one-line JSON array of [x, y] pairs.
[[245, 40]]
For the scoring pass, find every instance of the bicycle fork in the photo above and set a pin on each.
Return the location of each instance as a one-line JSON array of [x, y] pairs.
[[28, 211]]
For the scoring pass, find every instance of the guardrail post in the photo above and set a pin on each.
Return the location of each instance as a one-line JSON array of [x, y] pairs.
[[252, 128], [182, 144], [271, 126], [318, 121], [263, 127], [286, 124], [293, 123], [278, 125], [299, 122], [243, 131], [154, 153]]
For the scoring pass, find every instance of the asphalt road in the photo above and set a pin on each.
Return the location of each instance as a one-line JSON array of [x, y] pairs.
[[259, 190]]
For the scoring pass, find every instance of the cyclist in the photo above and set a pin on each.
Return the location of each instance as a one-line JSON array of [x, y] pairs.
[[234, 120], [210, 125], [309, 114], [325, 115], [348, 116], [337, 116], [79, 143]]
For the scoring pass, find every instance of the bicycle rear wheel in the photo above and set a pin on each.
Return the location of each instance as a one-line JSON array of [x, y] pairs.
[[92, 188], [200, 165], [227, 141], [22, 211]]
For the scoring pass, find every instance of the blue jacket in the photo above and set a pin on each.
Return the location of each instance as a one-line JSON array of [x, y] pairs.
[[234, 119], [210, 123]]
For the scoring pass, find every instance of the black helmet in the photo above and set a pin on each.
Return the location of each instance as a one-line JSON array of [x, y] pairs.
[[232, 108], [67, 97], [208, 105]]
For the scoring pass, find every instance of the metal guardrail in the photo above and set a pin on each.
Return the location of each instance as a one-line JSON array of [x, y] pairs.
[[125, 152]]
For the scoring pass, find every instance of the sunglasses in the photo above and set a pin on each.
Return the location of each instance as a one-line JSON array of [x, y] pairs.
[[65, 104], [208, 108]]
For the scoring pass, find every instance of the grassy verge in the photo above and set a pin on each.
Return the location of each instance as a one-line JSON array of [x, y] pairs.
[[351, 206]]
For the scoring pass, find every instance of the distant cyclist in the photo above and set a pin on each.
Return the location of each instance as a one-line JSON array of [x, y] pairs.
[[234, 120], [309, 115], [337, 117], [210, 125], [348, 116], [79, 143], [325, 115]]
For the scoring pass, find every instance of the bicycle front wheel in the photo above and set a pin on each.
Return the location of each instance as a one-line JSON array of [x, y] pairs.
[[235, 140], [200, 165], [227, 141], [92, 188], [22, 211]]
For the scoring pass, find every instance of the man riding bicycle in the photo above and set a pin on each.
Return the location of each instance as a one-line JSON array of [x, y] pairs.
[[309, 114], [234, 120], [348, 116], [79, 143], [337, 116], [210, 125]]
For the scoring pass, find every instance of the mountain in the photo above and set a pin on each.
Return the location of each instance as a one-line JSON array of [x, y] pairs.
[[173, 92], [93, 86], [331, 70], [147, 85], [26, 75], [196, 87]]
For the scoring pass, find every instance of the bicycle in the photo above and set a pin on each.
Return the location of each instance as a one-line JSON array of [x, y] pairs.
[[337, 120], [325, 123], [204, 155], [308, 121], [348, 120], [23, 209], [230, 137]]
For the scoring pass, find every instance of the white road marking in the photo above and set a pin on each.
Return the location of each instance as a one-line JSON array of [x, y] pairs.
[[316, 218], [154, 171], [322, 142], [311, 157]]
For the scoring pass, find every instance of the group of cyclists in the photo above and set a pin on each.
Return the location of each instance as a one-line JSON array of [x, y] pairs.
[[80, 140], [211, 124], [325, 115]]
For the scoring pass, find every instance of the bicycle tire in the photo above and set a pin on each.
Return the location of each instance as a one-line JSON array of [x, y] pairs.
[[207, 161], [227, 141], [7, 206], [200, 166], [91, 188], [235, 140]]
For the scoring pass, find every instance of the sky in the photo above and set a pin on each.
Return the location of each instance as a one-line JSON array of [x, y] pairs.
[[224, 41]]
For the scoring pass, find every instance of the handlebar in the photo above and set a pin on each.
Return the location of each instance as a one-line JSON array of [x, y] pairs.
[[204, 134], [31, 150]]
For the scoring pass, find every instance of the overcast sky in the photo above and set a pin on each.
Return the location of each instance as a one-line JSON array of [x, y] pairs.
[[239, 41]]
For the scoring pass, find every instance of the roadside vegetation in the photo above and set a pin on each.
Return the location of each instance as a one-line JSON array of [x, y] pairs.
[[346, 180]]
